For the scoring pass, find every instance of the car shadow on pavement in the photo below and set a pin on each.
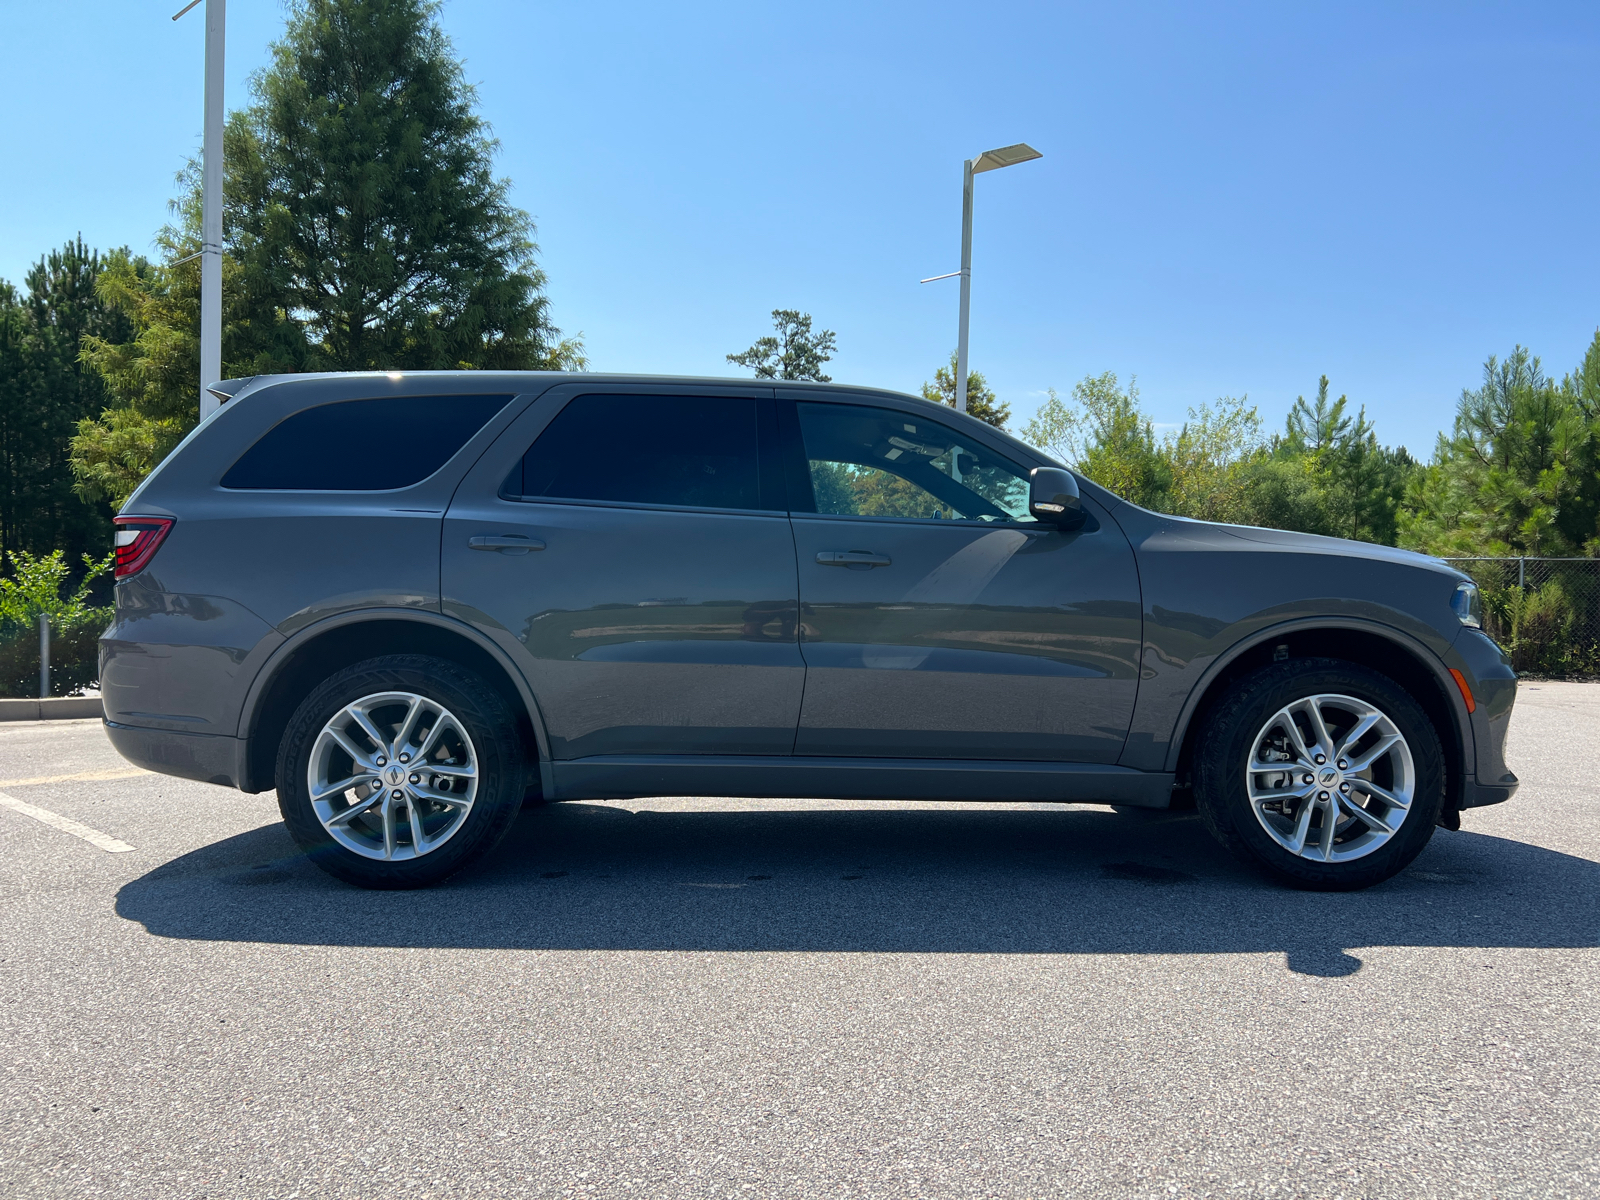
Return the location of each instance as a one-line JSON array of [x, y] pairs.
[[962, 880]]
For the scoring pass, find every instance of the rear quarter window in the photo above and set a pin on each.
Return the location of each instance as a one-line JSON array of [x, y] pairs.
[[362, 445]]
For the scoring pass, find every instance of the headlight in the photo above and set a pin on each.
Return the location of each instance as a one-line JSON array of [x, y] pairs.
[[1468, 605]]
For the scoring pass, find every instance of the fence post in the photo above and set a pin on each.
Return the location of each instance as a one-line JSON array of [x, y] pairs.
[[44, 656], [1522, 574]]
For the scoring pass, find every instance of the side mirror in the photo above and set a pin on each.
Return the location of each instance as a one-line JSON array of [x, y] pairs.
[[1053, 497]]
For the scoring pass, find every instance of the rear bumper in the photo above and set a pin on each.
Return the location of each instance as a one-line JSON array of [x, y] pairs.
[[210, 758]]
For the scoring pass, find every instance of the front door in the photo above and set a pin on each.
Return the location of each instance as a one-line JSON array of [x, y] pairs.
[[630, 550], [939, 620]]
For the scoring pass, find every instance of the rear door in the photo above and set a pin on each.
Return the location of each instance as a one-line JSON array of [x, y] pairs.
[[940, 620], [629, 547]]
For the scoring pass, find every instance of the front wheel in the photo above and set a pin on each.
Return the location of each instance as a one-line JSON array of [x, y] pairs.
[[399, 771], [1324, 774]]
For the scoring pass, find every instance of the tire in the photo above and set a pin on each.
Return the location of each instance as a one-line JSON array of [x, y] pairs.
[[449, 762], [1348, 851]]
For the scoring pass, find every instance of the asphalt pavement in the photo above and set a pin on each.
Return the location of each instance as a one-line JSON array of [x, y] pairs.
[[792, 998]]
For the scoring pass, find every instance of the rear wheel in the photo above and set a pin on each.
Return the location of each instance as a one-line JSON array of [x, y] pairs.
[[1322, 773], [399, 771]]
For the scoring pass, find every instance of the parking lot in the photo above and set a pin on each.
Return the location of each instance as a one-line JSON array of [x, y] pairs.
[[793, 998]]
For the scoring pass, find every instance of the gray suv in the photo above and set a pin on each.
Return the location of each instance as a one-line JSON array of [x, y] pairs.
[[414, 602]]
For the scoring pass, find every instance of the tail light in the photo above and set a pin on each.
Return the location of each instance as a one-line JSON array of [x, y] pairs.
[[138, 539]]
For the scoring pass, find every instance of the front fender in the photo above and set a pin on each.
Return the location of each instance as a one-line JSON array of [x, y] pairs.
[[1211, 593]]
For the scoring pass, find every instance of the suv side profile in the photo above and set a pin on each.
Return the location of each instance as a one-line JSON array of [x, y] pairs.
[[412, 602]]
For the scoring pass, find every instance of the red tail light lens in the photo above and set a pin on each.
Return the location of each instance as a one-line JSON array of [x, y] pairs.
[[138, 539]]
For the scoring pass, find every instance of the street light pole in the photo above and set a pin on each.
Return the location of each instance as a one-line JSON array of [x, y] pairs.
[[989, 160], [211, 208], [966, 285]]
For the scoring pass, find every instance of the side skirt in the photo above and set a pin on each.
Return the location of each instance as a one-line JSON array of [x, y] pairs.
[[624, 776]]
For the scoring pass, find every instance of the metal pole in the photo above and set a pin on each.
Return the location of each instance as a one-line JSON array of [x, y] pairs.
[[966, 284], [44, 656], [1522, 574], [211, 212]]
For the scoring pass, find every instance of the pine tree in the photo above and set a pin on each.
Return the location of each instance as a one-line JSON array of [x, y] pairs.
[[981, 401], [362, 198], [44, 391], [795, 353]]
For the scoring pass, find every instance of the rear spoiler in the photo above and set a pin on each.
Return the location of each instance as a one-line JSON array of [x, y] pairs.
[[226, 389]]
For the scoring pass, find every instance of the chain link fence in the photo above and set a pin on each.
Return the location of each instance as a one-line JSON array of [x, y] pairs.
[[1545, 611]]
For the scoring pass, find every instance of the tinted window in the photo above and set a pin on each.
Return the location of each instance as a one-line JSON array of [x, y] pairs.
[[877, 462], [696, 451], [362, 445]]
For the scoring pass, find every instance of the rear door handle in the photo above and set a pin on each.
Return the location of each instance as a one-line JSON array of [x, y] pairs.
[[851, 558], [509, 543]]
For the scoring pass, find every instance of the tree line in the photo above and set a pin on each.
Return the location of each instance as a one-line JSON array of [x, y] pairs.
[[1519, 473]]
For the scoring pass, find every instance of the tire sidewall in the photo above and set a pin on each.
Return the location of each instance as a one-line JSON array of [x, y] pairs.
[[1228, 741], [487, 722]]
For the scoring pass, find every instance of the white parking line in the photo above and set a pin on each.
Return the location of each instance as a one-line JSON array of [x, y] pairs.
[[56, 821]]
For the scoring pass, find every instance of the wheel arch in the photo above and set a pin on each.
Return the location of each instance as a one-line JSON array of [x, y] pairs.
[[1378, 647], [317, 651]]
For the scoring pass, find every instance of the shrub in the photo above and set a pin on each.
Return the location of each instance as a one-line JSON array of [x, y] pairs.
[[36, 586]]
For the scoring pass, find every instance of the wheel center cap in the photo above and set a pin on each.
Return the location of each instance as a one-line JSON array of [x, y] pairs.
[[1328, 777], [394, 775]]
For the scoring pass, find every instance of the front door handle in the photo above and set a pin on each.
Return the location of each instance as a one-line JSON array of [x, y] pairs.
[[852, 558], [508, 543]]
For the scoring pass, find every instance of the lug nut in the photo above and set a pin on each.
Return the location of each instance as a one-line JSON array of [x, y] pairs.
[[418, 779], [1343, 764], [1322, 795], [397, 794], [1307, 778], [405, 758], [1344, 787], [1321, 758], [381, 761]]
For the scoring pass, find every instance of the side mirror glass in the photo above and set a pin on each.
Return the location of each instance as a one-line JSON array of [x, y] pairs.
[[1053, 497]]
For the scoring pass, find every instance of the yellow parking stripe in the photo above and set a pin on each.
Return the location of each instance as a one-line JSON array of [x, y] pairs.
[[80, 777]]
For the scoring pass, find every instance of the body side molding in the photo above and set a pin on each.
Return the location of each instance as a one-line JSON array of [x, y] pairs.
[[622, 776]]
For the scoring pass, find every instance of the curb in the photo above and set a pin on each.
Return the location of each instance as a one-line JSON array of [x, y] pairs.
[[57, 708]]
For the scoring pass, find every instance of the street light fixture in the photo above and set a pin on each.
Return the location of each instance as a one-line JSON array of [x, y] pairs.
[[989, 160], [211, 208]]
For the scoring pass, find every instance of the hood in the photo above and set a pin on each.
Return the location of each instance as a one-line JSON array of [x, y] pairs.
[[1315, 543]]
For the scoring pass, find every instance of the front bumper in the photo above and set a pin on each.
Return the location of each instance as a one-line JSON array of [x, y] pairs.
[[210, 758], [1477, 795]]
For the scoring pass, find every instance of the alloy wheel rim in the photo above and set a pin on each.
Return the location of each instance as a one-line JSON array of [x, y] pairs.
[[1330, 778], [393, 776]]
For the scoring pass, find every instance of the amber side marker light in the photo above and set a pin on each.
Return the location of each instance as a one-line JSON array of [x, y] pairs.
[[1466, 692], [137, 540]]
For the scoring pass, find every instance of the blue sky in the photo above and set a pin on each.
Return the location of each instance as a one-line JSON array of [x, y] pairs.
[[1233, 200]]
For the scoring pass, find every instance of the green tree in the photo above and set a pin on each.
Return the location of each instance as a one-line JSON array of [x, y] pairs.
[[981, 400], [44, 391], [1328, 474], [362, 198], [152, 377], [1102, 433], [1518, 474], [1325, 474], [795, 353]]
